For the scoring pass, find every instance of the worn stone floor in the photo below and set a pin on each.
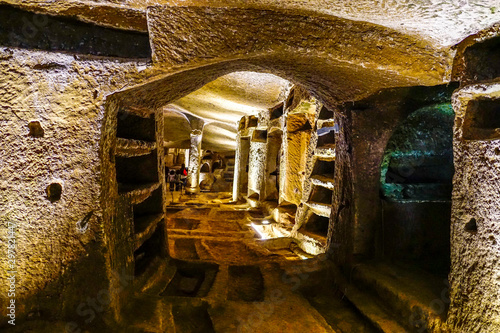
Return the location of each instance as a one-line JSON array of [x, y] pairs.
[[228, 280], [208, 227], [222, 277]]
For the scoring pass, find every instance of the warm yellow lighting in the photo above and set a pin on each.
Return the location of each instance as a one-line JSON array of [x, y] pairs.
[[227, 104], [256, 228]]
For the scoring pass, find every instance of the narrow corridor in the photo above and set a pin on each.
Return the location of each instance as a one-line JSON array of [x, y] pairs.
[[231, 280]]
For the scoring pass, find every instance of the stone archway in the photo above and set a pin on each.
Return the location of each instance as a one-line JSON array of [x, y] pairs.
[[317, 63]]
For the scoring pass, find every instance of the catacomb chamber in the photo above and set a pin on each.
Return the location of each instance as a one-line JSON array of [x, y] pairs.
[[368, 173]]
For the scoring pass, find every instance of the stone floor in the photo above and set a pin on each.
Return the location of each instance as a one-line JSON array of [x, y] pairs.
[[209, 228], [222, 277], [229, 280]]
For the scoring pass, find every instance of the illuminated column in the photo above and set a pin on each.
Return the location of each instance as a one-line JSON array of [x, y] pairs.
[[193, 180], [186, 158], [257, 163], [237, 171], [240, 165], [270, 190], [295, 146]]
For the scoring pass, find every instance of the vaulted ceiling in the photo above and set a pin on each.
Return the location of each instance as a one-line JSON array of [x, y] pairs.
[[221, 104], [432, 27]]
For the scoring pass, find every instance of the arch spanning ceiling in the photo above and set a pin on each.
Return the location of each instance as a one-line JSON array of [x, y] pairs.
[[221, 104], [444, 23], [182, 36], [336, 59], [177, 129]]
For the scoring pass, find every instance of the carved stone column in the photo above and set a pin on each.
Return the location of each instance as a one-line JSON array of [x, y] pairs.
[[193, 180]]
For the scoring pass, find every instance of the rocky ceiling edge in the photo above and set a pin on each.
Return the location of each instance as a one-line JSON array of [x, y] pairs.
[[445, 23]]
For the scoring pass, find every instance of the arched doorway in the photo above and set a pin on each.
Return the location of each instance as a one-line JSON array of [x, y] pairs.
[[416, 183], [327, 79]]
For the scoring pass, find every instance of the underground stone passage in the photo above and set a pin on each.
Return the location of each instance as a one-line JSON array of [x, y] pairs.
[[255, 166]]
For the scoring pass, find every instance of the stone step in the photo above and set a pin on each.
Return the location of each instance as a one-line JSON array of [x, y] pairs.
[[419, 298], [369, 306], [337, 311]]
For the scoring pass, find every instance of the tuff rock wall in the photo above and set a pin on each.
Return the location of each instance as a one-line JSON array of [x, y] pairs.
[[52, 113]]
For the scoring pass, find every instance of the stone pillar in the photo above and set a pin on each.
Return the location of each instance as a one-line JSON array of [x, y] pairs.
[[193, 180], [270, 187], [238, 164], [257, 163], [186, 158], [296, 139], [475, 227]]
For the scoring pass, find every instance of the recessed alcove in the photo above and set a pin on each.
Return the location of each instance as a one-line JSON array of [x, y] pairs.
[[326, 137], [324, 168], [276, 112], [417, 172], [317, 225], [325, 114], [148, 213], [482, 60], [482, 120], [131, 126], [36, 129], [205, 168], [259, 135], [321, 195], [137, 170], [252, 121], [54, 192], [149, 251]]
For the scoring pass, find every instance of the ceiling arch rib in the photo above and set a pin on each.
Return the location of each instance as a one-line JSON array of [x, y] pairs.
[[188, 35]]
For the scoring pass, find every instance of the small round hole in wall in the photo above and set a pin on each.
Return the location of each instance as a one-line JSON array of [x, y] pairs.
[[471, 226], [54, 192], [36, 129]]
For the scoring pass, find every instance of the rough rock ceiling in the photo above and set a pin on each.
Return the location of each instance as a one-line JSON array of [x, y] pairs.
[[221, 104], [445, 22]]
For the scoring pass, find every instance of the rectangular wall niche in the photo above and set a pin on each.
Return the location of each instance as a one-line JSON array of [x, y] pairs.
[[324, 168], [137, 170], [325, 114], [141, 187], [317, 225], [150, 250], [148, 213], [321, 195], [131, 126], [326, 138], [259, 136], [482, 120], [277, 111]]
